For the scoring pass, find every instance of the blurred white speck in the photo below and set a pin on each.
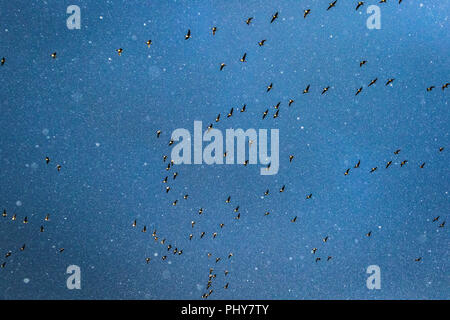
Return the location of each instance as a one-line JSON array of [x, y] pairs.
[[18, 203], [97, 144], [45, 131], [26, 280]]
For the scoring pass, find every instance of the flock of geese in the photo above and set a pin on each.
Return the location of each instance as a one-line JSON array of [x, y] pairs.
[[218, 262]]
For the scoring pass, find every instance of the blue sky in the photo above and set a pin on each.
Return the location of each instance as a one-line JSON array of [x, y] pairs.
[[96, 114]]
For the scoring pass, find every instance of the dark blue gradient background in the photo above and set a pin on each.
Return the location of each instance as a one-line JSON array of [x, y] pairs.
[[89, 95]]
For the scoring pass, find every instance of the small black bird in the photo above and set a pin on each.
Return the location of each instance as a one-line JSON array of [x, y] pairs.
[[276, 114], [332, 4], [390, 81], [306, 90], [274, 17], [360, 3], [188, 35], [373, 82]]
